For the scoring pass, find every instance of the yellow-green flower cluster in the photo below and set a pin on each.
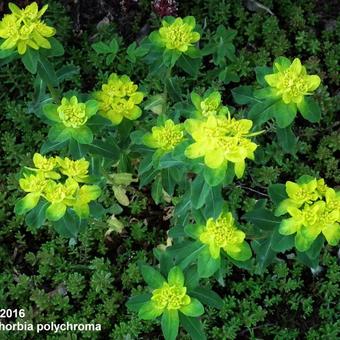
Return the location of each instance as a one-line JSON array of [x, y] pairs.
[[314, 208], [220, 139], [119, 98], [165, 138], [170, 297], [71, 112], [46, 181], [176, 34], [221, 233], [291, 81], [23, 29], [209, 105]]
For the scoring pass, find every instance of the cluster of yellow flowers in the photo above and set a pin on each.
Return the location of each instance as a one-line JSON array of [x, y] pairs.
[[43, 181], [171, 296], [221, 139], [178, 34], [23, 28], [291, 81], [314, 208], [218, 138], [222, 233], [166, 137], [119, 98]]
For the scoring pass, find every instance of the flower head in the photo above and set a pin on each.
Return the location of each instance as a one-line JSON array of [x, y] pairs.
[[220, 139], [72, 113], [166, 137], [69, 120], [222, 233], [33, 182], [176, 34], [170, 296], [47, 182], [78, 170], [291, 81], [119, 98], [298, 193], [311, 213], [24, 29], [209, 105]]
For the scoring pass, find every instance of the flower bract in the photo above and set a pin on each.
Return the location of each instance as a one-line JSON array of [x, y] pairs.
[[119, 99], [23, 29], [314, 209]]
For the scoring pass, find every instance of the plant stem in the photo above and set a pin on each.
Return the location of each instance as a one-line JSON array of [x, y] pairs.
[[54, 93], [165, 92]]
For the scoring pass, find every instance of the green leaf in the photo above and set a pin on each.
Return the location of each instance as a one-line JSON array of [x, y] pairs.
[[173, 88], [227, 75], [207, 296], [82, 135], [49, 146], [152, 277], [244, 95], [176, 276], [182, 208], [287, 139], [102, 48], [107, 148], [96, 210], [214, 202], [155, 104], [36, 217], [168, 181], [191, 277], [67, 72], [263, 219], [192, 254], [70, 225], [199, 192], [310, 109], [6, 54], [170, 57], [183, 250], [306, 260], [55, 211], [261, 112], [265, 255], [277, 193], [56, 49], [149, 311], [46, 71], [314, 251], [76, 149], [214, 177], [30, 60], [59, 133], [170, 324], [282, 243], [27, 203], [168, 161], [157, 190], [135, 303], [284, 113], [261, 72], [193, 326], [206, 264], [194, 309], [189, 65]]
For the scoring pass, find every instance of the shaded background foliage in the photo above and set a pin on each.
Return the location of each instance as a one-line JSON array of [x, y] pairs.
[[91, 281]]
